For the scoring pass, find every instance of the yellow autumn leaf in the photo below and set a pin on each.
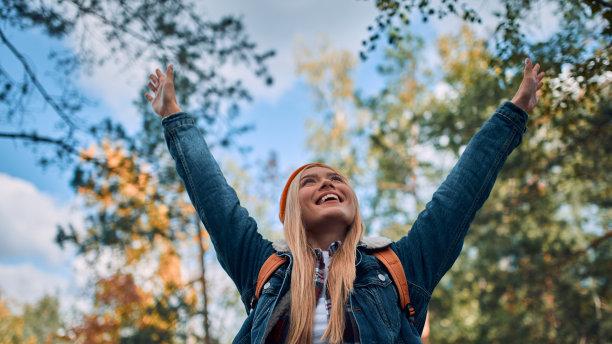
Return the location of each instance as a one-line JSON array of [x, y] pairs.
[[169, 268], [89, 153]]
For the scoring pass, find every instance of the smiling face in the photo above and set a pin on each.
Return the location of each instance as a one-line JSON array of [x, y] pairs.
[[326, 200]]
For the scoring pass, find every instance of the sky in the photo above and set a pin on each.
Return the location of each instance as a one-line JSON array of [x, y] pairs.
[[34, 200]]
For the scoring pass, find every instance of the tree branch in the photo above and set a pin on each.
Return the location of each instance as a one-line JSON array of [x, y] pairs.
[[603, 3], [37, 83], [156, 41], [64, 146], [88, 10], [37, 138], [592, 245]]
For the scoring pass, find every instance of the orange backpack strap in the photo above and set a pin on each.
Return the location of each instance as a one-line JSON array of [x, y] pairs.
[[386, 256], [267, 269], [391, 261]]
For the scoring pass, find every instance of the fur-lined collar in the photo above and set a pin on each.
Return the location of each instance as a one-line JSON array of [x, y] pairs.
[[370, 243]]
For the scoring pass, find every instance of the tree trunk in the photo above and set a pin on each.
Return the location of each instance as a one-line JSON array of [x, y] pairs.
[[207, 339]]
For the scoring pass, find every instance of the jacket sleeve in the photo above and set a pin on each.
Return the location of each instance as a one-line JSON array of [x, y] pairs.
[[240, 248], [435, 240]]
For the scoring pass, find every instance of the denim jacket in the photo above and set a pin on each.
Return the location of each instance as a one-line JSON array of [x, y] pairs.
[[427, 251]]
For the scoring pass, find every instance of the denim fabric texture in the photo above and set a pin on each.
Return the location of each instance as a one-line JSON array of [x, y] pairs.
[[427, 251]]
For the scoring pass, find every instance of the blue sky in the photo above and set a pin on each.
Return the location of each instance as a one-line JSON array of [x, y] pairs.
[[33, 200]]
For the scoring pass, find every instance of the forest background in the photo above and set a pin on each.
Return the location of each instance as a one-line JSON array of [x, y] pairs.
[[100, 244]]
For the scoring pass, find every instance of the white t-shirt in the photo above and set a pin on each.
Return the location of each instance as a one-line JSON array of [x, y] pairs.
[[321, 316]]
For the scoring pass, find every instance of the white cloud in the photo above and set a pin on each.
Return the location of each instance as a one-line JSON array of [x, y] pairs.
[[28, 220], [117, 89], [26, 283], [277, 24], [270, 24], [117, 82], [542, 21]]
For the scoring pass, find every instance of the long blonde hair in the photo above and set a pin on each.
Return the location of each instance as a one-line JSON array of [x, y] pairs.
[[340, 278]]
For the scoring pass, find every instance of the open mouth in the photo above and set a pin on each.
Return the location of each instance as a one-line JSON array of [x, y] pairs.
[[329, 198]]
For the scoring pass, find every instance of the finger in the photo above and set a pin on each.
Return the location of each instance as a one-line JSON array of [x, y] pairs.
[[152, 87], [159, 74], [540, 85], [149, 97], [154, 78], [540, 76], [170, 72], [527, 65], [536, 68]]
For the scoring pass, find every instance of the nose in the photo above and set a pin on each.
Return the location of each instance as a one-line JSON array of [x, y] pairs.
[[326, 183]]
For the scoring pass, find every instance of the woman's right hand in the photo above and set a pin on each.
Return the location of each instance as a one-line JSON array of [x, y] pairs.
[[163, 99]]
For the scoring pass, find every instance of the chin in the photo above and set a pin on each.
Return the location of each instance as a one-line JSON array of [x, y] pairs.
[[334, 216]]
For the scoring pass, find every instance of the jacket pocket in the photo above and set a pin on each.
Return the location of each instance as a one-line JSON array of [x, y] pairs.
[[377, 296], [269, 294]]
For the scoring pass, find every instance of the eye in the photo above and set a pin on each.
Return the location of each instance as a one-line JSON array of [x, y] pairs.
[[337, 177], [307, 181]]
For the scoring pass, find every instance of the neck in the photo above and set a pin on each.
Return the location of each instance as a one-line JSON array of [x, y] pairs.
[[323, 238]]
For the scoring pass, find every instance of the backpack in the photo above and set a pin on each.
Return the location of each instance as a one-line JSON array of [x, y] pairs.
[[386, 256]]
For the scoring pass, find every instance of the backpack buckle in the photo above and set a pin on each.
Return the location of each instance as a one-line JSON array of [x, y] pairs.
[[252, 304], [411, 313]]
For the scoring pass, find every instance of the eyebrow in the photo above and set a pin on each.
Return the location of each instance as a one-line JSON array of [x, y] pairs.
[[308, 176], [316, 176]]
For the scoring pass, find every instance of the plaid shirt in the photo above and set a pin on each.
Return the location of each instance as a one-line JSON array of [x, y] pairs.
[[279, 332]]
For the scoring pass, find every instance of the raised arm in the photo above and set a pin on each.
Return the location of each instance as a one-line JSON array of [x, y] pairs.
[[240, 248], [433, 244]]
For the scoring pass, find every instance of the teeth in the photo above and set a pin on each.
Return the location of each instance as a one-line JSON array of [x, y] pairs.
[[328, 196]]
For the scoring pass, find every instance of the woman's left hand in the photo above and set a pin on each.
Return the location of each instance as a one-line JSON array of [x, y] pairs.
[[527, 95]]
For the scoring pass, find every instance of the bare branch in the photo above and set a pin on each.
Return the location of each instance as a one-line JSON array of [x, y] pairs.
[[110, 23], [43, 139], [156, 41], [37, 83], [62, 144]]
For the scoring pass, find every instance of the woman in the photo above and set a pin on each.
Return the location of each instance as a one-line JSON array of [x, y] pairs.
[[332, 289]]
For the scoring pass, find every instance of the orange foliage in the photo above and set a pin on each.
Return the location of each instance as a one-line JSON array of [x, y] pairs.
[[97, 330], [120, 289], [169, 269]]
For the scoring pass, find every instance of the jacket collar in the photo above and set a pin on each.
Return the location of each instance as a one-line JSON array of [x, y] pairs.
[[370, 243]]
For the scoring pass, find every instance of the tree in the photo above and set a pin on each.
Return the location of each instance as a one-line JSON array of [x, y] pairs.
[[37, 323], [138, 32], [134, 217], [578, 106], [379, 134], [135, 204], [143, 218], [535, 261], [532, 252], [327, 71]]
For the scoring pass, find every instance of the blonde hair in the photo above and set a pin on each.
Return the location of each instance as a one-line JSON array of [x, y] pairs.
[[340, 278]]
